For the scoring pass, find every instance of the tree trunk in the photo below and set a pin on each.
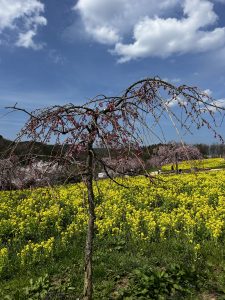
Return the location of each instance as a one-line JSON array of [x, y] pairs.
[[176, 162], [88, 285]]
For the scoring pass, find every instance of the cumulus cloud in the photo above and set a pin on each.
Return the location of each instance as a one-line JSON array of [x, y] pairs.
[[220, 103], [109, 21], [153, 28], [215, 103], [23, 18]]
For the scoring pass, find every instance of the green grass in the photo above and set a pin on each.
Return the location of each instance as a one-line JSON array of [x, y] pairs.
[[123, 268]]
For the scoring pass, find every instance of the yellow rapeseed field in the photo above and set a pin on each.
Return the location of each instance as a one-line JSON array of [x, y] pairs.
[[34, 222], [209, 163]]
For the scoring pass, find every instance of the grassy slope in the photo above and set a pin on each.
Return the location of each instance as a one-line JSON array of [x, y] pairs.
[[114, 262]]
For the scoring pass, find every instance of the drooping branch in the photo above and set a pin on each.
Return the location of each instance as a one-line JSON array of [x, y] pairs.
[[114, 123]]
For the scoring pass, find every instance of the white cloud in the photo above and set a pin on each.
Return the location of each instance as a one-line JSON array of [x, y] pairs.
[[22, 17], [156, 28], [208, 92], [104, 34], [220, 103], [216, 103], [109, 21], [175, 102], [26, 40]]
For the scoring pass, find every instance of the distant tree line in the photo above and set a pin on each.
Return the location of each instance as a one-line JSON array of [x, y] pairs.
[[213, 150], [45, 151]]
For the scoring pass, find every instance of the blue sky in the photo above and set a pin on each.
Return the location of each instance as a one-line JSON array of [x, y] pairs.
[[54, 52]]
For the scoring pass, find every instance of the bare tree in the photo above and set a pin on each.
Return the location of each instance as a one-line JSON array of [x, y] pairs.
[[120, 125]]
